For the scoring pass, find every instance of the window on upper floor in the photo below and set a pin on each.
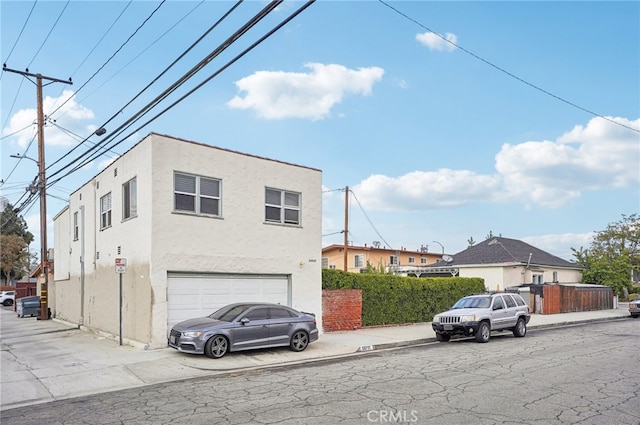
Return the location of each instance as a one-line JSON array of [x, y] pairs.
[[423, 261], [197, 194], [325, 262], [393, 260], [358, 260], [130, 199], [555, 277], [282, 206], [412, 260], [76, 231], [105, 211]]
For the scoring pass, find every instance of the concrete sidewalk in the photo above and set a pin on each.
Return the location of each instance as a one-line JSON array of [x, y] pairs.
[[43, 361]]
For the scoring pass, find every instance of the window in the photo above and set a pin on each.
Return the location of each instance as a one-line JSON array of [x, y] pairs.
[[537, 279], [509, 301], [280, 313], [282, 207], [555, 277], [412, 260], [129, 199], [257, 314], [423, 261], [325, 262], [358, 261], [105, 211], [393, 260], [196, 194], [75, 226], [497, 303]]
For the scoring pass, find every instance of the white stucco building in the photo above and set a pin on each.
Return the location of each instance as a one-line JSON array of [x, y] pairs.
[[198, 226]]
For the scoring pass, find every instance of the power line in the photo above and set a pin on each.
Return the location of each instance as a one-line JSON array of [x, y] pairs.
[[189, 74], [50, 31], [548, 93], [112, 56], [21, 31], [368, 219]]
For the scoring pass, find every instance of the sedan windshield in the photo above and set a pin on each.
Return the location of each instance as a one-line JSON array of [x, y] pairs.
[[473, 302], [228, 313]]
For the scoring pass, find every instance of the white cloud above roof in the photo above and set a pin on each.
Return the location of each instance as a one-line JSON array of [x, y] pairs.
[[311, 95]]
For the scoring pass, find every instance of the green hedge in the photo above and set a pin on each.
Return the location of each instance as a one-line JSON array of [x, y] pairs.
[[389, 299]]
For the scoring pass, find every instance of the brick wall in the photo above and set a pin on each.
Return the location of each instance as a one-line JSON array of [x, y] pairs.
[[341, 309]]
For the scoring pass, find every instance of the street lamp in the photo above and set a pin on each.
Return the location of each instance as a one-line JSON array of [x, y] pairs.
[[440, 246], [23, 157]]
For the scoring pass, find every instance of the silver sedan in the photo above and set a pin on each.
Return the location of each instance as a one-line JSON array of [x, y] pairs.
[[245, 326]]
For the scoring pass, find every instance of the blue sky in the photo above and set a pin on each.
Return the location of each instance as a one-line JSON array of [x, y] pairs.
[[447, 120]]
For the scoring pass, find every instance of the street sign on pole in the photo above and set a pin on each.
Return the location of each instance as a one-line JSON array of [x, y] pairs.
[[121, 265]]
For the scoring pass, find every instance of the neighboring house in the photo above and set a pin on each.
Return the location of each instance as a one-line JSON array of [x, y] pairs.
[[193, 227], [504, 263], [386, 259]]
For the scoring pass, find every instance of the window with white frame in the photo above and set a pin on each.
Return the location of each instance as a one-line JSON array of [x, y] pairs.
[[555, 277], [196, 194], [282, 206], [130, 199], [105, 211], [393, 260], [412, 260], [358, 261], [76, 231], [325, 262], [423, 260], [538, 279]]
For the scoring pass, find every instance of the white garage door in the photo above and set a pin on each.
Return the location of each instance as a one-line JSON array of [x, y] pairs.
[[198, 295]]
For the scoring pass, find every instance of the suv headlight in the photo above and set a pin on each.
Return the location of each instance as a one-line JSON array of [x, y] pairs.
[[436, 319], [192, 334], [468, 318]]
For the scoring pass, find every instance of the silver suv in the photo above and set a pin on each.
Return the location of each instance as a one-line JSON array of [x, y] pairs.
[[478, 315]]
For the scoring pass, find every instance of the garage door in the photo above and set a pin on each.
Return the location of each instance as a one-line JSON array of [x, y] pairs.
[[198, 295]]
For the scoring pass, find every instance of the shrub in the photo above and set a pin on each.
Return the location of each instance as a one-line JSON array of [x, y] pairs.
[[389, 299]]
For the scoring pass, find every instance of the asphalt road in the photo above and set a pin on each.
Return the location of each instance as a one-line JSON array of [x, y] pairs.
[[585, 374]]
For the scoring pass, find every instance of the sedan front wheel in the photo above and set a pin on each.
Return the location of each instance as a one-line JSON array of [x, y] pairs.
[[216, 347]]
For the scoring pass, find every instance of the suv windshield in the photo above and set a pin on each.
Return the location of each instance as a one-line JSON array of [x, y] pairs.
[[473, 302]]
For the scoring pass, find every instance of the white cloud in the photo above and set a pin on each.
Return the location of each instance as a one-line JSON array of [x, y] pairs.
[[561, 244], [68, 117], [425, 190], [543, 173], [437, 42], [279, 94]]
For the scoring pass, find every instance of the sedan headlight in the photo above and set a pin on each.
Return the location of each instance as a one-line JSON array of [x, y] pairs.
[[192, 334], [468, 318]]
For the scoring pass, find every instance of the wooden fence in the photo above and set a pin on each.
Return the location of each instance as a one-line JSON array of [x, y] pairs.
[[553, 299]]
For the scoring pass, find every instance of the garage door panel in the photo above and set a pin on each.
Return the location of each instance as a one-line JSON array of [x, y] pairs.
[[190, 296]]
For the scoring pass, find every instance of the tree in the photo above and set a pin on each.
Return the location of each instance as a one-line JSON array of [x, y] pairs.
[[14, 257], [13, 224], [613, 256]]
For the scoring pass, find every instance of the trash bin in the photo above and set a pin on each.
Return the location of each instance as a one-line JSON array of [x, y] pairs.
[[28, 306]]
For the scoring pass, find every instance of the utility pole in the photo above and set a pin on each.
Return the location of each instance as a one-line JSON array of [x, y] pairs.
[[346, 225], [42, 188]]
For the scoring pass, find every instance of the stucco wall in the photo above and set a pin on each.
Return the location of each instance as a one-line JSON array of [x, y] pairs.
[[159, 240]]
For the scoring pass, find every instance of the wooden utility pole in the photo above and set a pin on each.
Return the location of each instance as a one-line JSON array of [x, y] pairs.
[[42, 188], [346, 225]]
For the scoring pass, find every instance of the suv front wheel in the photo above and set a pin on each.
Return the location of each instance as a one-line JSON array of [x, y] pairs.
[[484, 332]]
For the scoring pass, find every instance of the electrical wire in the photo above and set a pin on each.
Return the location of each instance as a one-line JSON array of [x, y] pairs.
[[268, 9], [368, 219], [112, 56], [21, 31], [232, 61], [97, 44], [144, 89], [50, 31], [548, 93]]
